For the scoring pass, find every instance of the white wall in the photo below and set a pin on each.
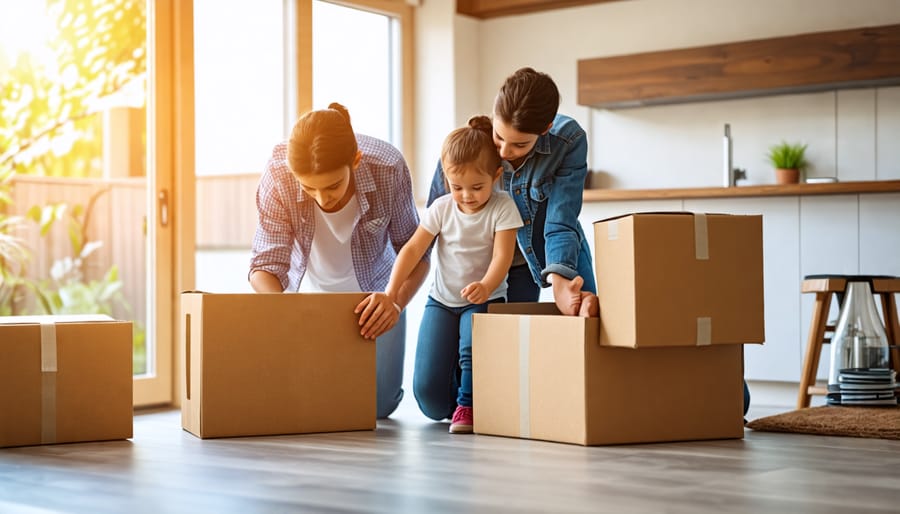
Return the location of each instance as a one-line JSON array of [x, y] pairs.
[[848, 133]]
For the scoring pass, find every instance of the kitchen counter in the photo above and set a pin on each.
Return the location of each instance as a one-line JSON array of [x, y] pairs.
[[831, 188]]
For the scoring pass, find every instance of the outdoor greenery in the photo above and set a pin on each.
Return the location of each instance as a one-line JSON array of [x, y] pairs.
[[788, 156], [13, 253], [52, 98]]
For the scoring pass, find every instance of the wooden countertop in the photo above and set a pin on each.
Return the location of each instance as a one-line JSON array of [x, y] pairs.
[[833, 188]]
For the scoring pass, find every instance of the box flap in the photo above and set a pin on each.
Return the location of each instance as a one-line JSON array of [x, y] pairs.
[[664, 213]]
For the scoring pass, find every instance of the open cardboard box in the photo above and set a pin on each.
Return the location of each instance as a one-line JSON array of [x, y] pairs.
[[680, 293], [275, 363], [65, 379], [540, 375]]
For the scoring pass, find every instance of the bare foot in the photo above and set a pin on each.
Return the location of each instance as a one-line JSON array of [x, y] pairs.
[[567, 294], [590, 305]]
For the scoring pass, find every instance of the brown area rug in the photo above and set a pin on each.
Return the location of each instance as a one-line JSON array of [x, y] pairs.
[[873, 422]]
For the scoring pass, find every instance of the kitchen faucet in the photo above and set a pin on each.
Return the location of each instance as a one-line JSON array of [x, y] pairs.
[[732, 174]]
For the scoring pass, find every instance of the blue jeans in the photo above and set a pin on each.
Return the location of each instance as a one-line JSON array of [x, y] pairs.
[[442, 378], [389, 350]]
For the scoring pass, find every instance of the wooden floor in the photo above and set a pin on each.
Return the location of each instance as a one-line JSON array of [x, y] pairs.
[[412, 465]]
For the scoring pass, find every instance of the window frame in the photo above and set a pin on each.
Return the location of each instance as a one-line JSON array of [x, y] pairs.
[[301, 66]]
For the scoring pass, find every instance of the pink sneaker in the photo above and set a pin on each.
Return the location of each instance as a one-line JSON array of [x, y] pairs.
[[462, 420]]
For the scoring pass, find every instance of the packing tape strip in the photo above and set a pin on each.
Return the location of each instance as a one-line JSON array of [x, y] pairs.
[[704, 331], [612, 230], [701, 237], [524, 380], [48, 383]]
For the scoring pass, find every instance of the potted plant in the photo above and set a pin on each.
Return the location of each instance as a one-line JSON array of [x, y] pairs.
[[789, 161]]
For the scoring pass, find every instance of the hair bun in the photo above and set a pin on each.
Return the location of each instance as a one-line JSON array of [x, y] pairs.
[[341, 109], [482, 123]]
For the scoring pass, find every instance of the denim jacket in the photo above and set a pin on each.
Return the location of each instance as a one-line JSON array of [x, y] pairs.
[[548, 190]]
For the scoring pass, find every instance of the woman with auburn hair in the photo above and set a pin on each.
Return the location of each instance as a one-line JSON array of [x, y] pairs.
[[335, 208]]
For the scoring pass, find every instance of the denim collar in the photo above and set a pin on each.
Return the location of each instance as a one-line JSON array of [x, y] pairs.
[[541, 146]]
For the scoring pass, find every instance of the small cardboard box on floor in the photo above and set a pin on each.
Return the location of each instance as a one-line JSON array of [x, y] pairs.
[[664, 362], [65, 379], [275, 363]]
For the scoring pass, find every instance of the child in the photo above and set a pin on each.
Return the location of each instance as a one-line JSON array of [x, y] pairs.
[[475, 227]]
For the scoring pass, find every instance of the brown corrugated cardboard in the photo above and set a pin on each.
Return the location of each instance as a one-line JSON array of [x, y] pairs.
[[676, 279], [540, 375], [64, 379], [260, 364]]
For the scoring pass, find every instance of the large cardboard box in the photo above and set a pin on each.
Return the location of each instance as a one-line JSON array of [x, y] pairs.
[[677, 279], [258, 364], [64, 379], [540, 375]]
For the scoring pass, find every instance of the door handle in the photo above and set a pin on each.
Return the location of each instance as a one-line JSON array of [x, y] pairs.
[[163, 198]]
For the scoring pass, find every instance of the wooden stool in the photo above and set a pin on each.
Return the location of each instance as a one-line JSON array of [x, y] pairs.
[[825, 286]]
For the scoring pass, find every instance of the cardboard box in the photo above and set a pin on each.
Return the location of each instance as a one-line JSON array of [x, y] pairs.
[[540, 375], [258, 364], [64, 379], [680, 279]]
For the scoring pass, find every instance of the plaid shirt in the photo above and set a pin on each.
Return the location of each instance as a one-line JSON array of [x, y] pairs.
[[387, 217]]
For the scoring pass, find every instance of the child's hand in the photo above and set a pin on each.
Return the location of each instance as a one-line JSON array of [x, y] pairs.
[[475, 293], [378, 313]]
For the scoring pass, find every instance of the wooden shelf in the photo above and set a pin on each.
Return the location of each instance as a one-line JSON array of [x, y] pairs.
[[495, 8], [836, 188], [821, 61]]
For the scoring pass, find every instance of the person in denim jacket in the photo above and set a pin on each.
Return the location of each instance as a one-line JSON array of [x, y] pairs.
[[544, 168]]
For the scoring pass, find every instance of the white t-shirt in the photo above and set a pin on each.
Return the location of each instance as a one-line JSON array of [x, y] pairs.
[[465, 244], [330, 267]]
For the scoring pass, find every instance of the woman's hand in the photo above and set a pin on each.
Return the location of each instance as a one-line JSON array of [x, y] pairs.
[[475, 293], [378, 313], [571, 300]]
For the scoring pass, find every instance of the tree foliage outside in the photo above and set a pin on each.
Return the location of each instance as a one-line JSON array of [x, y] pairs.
[[51, 98], [92, 57]]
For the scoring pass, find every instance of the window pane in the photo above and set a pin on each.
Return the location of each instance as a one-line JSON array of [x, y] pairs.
[[238, 83], [73, 187], [353, 64], [239, 78]]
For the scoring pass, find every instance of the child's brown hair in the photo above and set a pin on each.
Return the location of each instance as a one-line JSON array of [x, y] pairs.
[[322, 141], [471, 145]]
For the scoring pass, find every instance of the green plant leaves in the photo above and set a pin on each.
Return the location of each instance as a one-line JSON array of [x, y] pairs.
[[788, 156]]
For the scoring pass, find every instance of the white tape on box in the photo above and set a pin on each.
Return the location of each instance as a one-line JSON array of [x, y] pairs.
[[48, 382], [524, 380], [701, 237]]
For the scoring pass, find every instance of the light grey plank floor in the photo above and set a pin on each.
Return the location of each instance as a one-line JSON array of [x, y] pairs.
[[413, 465]]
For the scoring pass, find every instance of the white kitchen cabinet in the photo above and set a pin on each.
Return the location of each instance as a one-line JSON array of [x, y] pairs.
[[879, 234], [829, 244], [855, 134], [887, 133]]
